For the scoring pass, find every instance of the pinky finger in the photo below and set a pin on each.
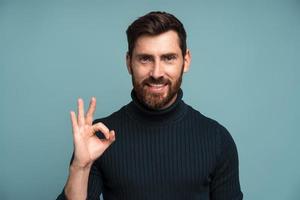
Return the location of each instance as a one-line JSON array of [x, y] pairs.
[[73, 121]]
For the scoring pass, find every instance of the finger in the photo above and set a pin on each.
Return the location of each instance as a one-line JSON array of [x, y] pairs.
[[112, 136], [91, 111], [101, 127], [80, 112], [73, 121], [111, 139]]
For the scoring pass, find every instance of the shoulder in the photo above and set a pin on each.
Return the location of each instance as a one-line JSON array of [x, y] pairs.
[[213, 136], [199, 118], [112, 118], [212, 127]]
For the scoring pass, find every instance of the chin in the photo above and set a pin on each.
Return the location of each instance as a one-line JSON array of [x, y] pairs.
[[157, 101]]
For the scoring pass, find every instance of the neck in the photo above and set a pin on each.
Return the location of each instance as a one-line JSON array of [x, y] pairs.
[[170, 113]]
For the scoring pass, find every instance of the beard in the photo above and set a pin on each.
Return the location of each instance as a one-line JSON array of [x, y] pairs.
[[152, 100]]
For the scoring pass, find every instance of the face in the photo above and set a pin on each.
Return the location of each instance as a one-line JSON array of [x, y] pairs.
[[156, 66]]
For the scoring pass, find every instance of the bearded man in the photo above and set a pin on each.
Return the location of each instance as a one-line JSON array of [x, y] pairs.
[[157, 146]]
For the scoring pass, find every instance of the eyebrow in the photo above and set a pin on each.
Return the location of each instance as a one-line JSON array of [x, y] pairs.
[[143, 55], [149, 55], [170, 54]]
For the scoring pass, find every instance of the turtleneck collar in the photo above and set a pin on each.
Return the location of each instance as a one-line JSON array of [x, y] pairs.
[[144, 114]]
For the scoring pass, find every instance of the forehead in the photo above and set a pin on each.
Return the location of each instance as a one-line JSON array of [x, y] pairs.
[[167, 42]]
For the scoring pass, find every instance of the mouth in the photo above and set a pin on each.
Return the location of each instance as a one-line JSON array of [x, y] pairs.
[[157, 87]]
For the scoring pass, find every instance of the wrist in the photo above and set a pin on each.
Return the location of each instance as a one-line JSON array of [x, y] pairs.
[[76, 167]]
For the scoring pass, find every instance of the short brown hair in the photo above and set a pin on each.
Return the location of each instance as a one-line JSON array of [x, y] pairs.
[[155, 23]]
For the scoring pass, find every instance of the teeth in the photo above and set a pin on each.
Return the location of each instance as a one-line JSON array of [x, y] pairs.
[[156, 85]]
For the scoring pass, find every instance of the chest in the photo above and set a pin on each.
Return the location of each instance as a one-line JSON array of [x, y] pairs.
[[172, 159]]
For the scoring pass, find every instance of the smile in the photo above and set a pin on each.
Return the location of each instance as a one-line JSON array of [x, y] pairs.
[[157, 87]]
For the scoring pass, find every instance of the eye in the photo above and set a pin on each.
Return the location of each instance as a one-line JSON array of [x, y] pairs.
[[169, 58], [145, 59]]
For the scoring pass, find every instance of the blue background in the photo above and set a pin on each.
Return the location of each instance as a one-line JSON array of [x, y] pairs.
[[244, 73]]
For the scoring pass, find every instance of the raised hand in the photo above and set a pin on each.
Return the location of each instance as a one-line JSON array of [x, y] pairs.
[[87, 146]]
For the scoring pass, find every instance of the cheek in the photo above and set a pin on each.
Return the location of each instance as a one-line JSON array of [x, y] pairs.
[[140, 73], [174, 72]]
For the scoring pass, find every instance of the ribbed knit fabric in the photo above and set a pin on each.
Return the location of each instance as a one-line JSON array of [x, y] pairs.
[[171, 154]]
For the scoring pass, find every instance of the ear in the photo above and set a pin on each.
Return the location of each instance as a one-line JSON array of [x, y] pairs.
[[128, 61], [187, 60]]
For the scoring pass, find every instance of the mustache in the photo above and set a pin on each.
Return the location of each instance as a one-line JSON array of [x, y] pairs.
[[160, 80]]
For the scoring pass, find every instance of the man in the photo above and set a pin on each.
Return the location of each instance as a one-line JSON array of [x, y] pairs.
[[155, 147]]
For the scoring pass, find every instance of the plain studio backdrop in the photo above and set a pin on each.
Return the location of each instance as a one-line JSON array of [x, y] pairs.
[[244, 73]]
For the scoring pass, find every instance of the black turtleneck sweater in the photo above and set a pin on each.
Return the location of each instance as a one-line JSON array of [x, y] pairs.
[[170, 154]]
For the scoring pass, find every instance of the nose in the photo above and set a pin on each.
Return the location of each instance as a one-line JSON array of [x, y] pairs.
[[157, 70]]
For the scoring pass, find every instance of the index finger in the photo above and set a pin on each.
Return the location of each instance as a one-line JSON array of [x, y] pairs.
[[91, 111], [101, 127], [74, 121]]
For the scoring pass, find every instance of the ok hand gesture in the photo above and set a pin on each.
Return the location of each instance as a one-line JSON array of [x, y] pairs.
[[87, 146]]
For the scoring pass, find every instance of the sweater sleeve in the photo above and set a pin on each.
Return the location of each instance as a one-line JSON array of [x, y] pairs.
[[225, 183], [95, 185]]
